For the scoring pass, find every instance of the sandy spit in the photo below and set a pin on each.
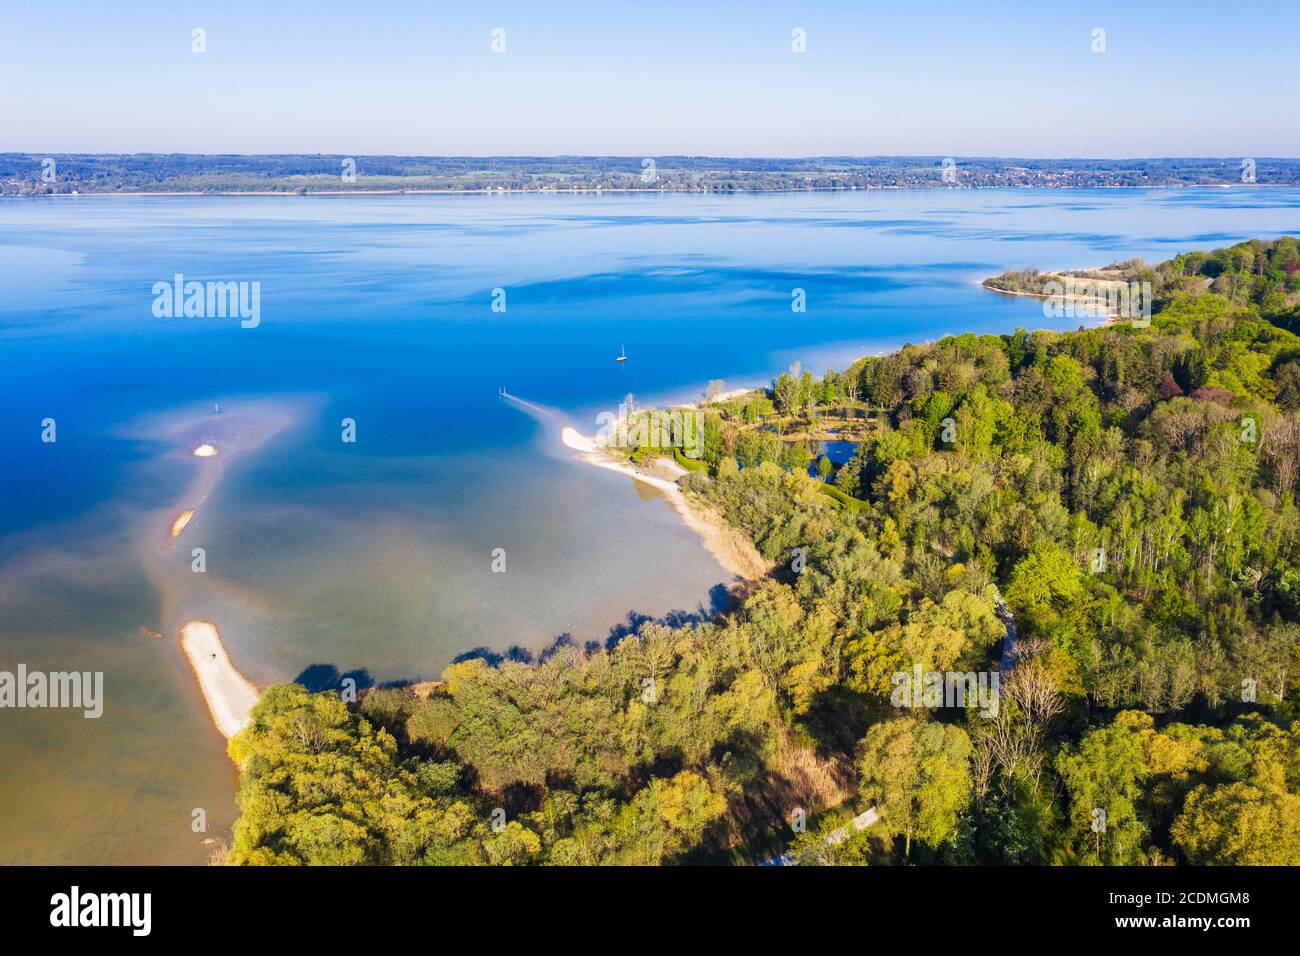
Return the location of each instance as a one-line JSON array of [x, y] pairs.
[[733, 550], [229, 695]]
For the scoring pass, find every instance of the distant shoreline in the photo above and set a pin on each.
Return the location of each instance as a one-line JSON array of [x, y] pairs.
[[594, 191]]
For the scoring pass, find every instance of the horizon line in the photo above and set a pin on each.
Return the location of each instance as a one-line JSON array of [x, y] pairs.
[[694, 156]]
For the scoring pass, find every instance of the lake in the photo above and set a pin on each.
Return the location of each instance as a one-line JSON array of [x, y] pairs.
[[406, 315]]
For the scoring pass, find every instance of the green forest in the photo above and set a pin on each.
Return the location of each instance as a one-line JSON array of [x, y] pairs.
[[1121, 498]]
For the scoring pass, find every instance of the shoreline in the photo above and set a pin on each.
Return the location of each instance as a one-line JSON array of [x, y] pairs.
[[1107, 318], [230, 696], [624, 190], [729, 547]]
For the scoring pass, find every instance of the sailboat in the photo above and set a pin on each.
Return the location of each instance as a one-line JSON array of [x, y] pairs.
[[622, 357]]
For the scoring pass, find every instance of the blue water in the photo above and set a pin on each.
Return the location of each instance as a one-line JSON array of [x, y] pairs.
[[384, 303], [375, 556], [838, 452]]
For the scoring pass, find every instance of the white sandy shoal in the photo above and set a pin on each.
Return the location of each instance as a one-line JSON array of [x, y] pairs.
[[229, 694]]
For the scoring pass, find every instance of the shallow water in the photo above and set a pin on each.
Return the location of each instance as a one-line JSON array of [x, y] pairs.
[[375, 556]]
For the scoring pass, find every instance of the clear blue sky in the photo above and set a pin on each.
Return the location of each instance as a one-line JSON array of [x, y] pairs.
[[708, 78]]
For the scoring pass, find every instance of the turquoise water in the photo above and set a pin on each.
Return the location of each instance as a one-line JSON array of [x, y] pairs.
[[375, 556]]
